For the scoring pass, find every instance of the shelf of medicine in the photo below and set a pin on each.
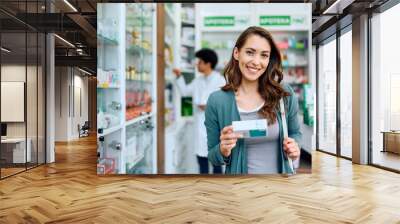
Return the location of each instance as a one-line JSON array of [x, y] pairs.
[[138, 119], [188, 44], [169, 16], [135, 161], [139, 80], [107, 86], [105, 40], [110, 130], [135, 49], [187, 23]]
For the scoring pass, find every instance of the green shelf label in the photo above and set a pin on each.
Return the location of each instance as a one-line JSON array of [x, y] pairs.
[[219, 21], [275, 20]]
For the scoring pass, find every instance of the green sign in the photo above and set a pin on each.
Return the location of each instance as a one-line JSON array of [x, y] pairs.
[[218, 21], [275, 20]]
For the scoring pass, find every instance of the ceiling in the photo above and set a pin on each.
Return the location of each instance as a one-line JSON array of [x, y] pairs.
[[79, 27], [76, 26]]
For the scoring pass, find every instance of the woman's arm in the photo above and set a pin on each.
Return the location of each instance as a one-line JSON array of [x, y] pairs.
[[213, 133], [292, 116]]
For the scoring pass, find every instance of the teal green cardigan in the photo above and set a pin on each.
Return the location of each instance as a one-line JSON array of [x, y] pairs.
[[221, 110]]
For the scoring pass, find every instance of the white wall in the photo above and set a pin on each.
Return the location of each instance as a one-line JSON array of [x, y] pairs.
[[69, 85], [80, 94], [14, 73], [17, 73], [61, 103]]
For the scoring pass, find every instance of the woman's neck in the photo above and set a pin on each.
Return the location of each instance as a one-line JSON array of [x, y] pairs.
[[248, 87], [247, 96]]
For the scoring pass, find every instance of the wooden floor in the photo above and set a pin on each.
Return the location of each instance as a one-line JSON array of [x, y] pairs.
[[387, 159], [69, 191], [5, 172], [10, 171]]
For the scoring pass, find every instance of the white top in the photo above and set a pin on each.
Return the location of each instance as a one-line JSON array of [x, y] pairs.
[[250, 111], [200, 89], [262, 152]]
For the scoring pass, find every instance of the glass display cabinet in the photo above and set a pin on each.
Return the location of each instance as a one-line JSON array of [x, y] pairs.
[[126, 88], [140, 89], [109, 87]]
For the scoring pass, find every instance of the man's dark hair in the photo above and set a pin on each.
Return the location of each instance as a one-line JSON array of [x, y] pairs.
[[208, 56]]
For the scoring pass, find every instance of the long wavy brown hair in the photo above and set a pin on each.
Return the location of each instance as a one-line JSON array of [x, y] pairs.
[[269, 85]]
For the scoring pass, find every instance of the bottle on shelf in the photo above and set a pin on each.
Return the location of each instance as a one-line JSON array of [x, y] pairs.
[[116, 106], [115, 145]]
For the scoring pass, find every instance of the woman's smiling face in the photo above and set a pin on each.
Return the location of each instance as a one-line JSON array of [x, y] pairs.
[[253, 57]]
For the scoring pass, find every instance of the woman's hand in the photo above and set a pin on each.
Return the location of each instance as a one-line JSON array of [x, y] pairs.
[[228, 140], [291, 148]]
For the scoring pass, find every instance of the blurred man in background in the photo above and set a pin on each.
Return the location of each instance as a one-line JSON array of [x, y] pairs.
[[200, 89]]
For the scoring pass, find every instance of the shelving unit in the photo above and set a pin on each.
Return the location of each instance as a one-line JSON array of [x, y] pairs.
[[109, 130], [109, 87], [187, 54], [171, 39], [140, 80], [137, 50], [106, 40], [139, 119], [176, 125], [171, 94], [170, 10], [186, 23], [126, 88]]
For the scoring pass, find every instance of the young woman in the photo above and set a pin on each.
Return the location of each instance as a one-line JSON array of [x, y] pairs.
[[253, 91]]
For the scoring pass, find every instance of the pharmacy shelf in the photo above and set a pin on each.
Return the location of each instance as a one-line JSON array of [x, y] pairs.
[[187, 44], [136, 160], [138, 157], [110, 130], [105, 40], [175, 127], [102, 86], [135, 49], [138, 80], [172, 128], [168, 41], [169, 16], [187, 23], [138, 119]]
